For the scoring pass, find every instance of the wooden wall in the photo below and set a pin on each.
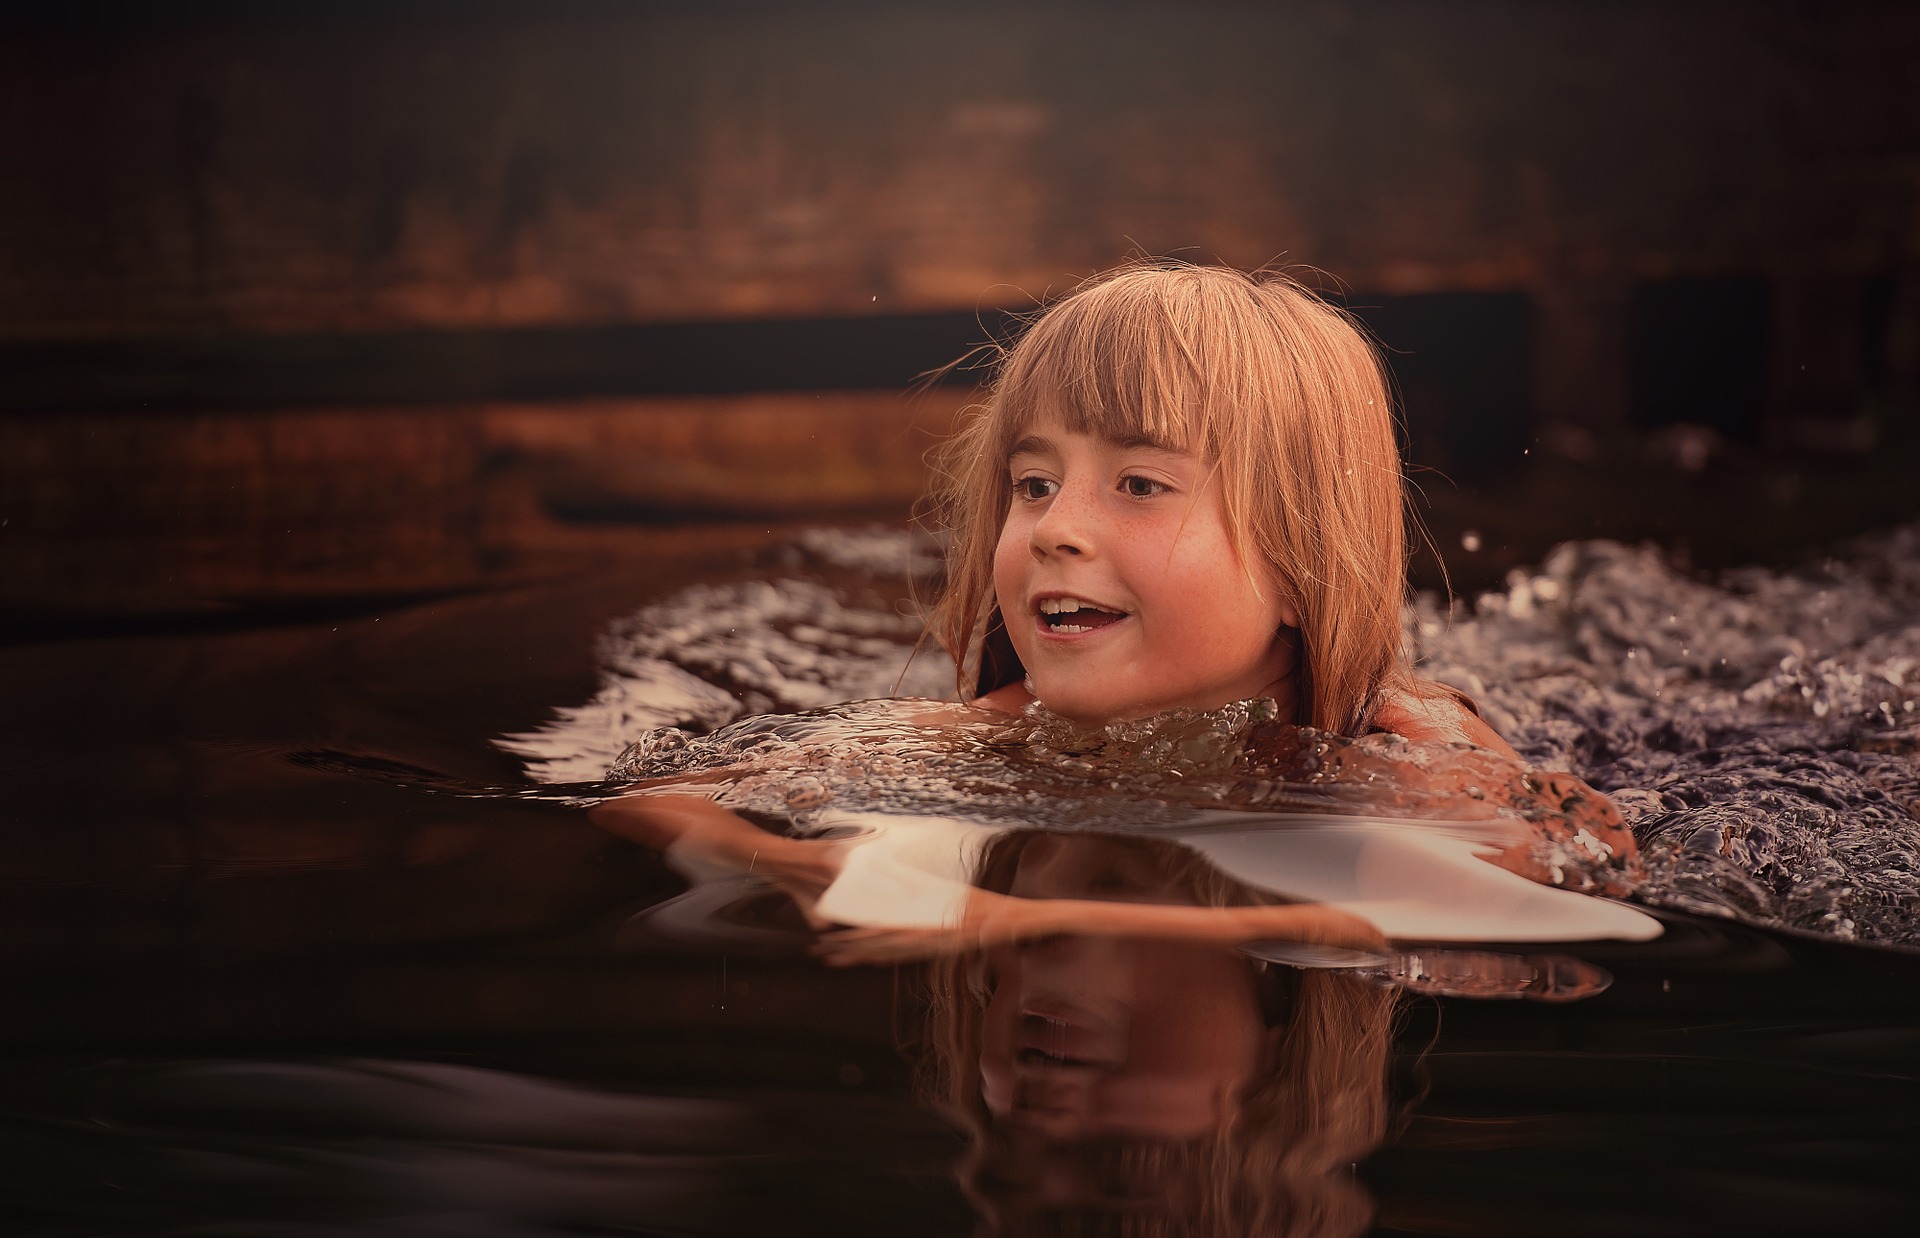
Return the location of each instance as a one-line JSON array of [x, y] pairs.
[[574, 163], [221, 172]]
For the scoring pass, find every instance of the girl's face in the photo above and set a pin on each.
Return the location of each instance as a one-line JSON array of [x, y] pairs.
[[1120, 588]]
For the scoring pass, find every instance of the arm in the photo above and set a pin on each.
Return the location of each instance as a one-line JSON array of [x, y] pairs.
[[686, 821], [1559, 805], [999, 919], [1443, 718]]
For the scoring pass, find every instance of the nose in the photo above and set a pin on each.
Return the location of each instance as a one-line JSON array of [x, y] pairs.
[[1066, 527]]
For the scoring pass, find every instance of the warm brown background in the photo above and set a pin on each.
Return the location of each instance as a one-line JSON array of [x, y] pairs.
[[218, 178]]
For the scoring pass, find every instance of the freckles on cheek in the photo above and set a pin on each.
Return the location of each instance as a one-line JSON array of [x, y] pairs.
[[1006, 570]]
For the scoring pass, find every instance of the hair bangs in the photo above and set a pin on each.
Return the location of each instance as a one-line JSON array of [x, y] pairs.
[[1118, 360]]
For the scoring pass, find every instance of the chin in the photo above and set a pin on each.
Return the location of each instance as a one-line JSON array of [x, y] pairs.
[[1095, 707], [1075, 706]]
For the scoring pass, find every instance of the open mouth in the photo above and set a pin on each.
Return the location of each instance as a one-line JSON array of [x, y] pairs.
[[1053, 1043], [1071, 616]]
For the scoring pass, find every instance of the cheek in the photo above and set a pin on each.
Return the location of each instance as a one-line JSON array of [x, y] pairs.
[[1009, 564], [1200, 1015], [1217, 586], [996, 1048]]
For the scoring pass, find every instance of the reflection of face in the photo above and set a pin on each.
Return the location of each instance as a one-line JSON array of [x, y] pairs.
[[1089, 1036], [1136, 535]]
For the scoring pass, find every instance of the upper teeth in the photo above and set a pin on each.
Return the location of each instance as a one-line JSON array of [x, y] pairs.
[[1063, 606]]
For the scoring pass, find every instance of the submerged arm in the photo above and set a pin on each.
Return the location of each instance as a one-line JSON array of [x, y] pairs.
[[1560, 806], [1439, 718], [683, 821], [993, 919]]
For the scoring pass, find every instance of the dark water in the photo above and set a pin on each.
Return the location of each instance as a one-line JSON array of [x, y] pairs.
[[292, 948]]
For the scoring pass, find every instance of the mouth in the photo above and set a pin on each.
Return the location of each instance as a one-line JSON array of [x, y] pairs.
[[1049, 1043], [1072, 616]]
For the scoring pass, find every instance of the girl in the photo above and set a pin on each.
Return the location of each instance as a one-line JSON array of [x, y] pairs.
[[1181, 491]]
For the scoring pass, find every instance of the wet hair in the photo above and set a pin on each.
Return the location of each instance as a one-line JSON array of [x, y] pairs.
[[1281, 1166], [1282, 392]]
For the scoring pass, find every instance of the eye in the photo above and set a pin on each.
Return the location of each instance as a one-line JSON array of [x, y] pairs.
[[1034, 489], [1135, 486]]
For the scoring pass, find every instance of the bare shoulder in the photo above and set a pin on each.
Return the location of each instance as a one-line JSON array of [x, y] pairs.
[[959, 713], [1438, 715], [1008, 700]]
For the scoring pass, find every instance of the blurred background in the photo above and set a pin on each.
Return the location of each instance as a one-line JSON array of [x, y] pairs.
[[310, 308]]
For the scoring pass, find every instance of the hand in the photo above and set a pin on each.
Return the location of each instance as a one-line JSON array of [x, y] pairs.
[[852, 947], [1316, 924], [690, 824], [996, 919]]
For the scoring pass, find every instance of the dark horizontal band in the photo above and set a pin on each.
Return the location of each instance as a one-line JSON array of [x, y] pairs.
[[518, 363], [1463, 332]]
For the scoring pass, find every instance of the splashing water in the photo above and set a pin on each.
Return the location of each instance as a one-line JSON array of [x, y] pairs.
[[1759, 731], [824, 627]]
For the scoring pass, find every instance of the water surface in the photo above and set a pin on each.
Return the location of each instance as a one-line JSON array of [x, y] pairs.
[[292, 947]]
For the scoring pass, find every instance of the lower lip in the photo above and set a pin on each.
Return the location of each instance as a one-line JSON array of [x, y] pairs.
[[1047, 630], [1086, 1043]]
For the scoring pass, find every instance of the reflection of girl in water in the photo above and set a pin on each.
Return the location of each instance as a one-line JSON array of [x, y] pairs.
[[1115, 1059], [1139, 1085]]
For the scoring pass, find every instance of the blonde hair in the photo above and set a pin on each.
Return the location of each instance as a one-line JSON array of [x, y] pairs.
[[1281, 1167], [1280, 390]]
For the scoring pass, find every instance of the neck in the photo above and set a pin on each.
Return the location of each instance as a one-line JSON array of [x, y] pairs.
[[1282, 688]]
